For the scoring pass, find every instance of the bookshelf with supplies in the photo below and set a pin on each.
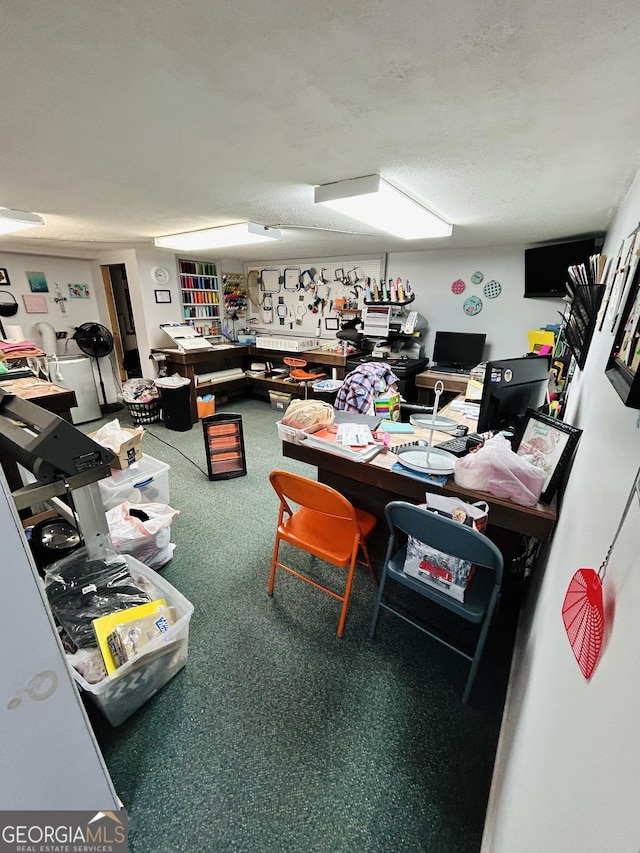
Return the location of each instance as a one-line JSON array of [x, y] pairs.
[[200, 294], [585, 292]]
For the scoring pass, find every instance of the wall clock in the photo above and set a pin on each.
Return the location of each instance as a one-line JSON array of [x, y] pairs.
[[160, 275], [472, 306]]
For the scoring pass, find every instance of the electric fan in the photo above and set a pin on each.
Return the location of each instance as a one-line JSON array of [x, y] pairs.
[[96, 341]]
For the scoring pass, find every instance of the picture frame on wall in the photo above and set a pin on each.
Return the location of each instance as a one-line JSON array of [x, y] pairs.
[[623, 365], [37, 282], [163, 296], [79, 291], [4, 276], [35, 304], [550, 444]]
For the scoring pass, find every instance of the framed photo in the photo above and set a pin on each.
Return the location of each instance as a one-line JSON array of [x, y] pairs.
[[4, 276], [37, 282], [551, 443], [163, 295], [35, 304], [623, 366], [79, 291]]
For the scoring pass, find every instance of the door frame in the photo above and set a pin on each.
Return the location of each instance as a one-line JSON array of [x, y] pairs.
[[113, 319]]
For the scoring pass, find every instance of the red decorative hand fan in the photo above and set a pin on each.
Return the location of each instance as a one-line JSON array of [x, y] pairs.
[[583, 617], [583, 607]]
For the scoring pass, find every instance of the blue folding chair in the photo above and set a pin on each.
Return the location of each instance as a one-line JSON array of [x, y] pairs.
[[452, 538]]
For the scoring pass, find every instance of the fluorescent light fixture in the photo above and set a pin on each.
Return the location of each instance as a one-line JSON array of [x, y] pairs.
[[17, 220], [239, 234], [373, 200]]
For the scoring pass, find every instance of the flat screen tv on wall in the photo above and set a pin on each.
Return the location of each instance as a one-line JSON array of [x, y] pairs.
[[545, 267]]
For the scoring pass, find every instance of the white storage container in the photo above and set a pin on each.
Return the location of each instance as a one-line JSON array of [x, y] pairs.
[[119, 695], [287, 344], [294, 435], [148, 481]]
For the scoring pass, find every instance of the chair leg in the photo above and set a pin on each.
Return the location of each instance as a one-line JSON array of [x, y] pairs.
[[376, 610], [274, 560], [347, 594], [475, 663], [367, 561]]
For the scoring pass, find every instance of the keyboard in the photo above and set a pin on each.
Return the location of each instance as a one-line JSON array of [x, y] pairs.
[[458, 445], [458, 371]]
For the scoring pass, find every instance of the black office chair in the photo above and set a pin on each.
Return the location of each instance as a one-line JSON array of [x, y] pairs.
[[452, 538]]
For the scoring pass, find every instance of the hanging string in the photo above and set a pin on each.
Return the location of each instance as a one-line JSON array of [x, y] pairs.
[[635, 490]]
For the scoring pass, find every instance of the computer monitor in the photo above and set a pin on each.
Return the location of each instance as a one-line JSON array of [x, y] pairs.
[[458, 349], [511, 386]]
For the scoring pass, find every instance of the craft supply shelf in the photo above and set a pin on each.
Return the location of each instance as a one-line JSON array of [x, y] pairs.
[[580, 323]]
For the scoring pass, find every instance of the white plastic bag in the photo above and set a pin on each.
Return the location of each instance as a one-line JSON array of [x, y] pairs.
[[147, 540], [112, 435], [497, 469]]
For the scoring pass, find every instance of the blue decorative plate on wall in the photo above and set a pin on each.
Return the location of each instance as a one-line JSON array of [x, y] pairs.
[[472, 306]]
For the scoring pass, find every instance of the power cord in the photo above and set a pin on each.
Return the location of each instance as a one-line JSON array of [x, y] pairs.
[[173, 447]]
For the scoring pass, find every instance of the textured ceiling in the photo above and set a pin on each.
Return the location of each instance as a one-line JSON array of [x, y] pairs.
[[121, 121]]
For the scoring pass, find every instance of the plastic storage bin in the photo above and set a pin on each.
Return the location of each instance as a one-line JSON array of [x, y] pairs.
[[148, 481], [119, 695]]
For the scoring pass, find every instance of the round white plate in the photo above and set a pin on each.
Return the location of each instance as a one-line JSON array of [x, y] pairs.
[[428, 461], [429, 422]]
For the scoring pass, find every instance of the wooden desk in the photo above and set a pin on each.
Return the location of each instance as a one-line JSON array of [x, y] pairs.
[[54, 398], [49, 396], [318, 361], [191, 364], [453, 384], [372, 485]]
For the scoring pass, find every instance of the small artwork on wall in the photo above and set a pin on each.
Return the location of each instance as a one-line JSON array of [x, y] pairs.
[[79, 291], [38, 282], [35, 304], [4, 276]]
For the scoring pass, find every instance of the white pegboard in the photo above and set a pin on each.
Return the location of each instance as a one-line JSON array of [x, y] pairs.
[[344, 278]]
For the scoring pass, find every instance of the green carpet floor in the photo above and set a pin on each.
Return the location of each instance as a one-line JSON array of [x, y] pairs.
[[277, 736]]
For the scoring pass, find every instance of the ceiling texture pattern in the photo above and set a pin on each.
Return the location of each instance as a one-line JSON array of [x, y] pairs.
[[517, 122]]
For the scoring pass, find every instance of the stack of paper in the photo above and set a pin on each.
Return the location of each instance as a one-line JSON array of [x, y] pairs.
[[338, 440]]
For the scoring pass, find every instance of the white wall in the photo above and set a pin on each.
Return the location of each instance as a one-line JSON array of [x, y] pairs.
[[505, 319], [56, 269], [566, 777]]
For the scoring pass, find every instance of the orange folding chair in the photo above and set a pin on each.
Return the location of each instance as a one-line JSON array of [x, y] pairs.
[[326, 525]]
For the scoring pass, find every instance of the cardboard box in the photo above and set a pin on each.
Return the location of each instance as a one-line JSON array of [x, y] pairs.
[[130, 451], [388, 406]]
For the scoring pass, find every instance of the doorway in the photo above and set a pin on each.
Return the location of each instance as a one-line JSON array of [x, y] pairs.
[[125, 342]]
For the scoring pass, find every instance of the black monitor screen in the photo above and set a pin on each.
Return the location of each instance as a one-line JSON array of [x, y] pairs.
[[511, 386], [458, 349]]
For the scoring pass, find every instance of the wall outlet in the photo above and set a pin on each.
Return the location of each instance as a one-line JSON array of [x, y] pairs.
[[60, 336]]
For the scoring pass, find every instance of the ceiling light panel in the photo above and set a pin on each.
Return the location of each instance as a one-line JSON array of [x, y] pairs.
[[17, 220], [376, 202], [240, 234]]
